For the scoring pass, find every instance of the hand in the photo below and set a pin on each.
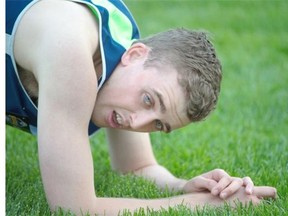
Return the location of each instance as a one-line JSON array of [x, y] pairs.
[[259, 193], [219, 183], [204, 198]]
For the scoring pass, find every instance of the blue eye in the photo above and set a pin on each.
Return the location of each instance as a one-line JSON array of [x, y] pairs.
[[147, 100], [158, 125]]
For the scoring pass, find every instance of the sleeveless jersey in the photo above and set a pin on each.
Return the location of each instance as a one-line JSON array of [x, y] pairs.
[[117, 31]]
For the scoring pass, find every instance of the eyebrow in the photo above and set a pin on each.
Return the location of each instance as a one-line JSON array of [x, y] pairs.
[[160, 98], [163, 108], [168, 128]]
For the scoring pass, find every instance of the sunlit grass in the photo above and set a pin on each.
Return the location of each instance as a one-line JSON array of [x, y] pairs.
[[246, 135]]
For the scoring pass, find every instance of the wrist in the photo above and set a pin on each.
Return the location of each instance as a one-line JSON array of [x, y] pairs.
[[180, 184], [162, 177]]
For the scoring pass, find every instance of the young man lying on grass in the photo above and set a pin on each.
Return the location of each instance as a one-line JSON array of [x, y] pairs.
[[76, 66]]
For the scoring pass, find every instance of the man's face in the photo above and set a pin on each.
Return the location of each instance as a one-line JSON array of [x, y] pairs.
[[141, 99]]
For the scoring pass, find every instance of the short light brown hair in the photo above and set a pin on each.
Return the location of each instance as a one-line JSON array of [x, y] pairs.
[[193, 56]]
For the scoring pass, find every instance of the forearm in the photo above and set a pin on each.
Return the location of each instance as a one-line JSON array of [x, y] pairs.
[[114, 206], [162, 177]]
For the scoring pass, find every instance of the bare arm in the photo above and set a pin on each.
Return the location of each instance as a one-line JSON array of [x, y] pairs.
[[132, 152], [62, 64]]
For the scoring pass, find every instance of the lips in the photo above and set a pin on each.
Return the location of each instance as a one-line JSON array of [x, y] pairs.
[[115, 120]]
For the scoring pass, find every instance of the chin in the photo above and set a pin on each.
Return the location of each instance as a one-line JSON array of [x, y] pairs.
[[97, 122]]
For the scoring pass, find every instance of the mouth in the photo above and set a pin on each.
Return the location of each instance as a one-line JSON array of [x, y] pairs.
[[115, 120]]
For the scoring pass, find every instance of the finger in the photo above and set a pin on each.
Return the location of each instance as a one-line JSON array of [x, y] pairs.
[[221, 185], [265, 192], [231, 188], [199, 183], [249, 185], [216, 174]]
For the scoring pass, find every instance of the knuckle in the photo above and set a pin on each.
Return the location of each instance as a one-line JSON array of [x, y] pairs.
[[219, 170], [228, 179], [238, 180], [246, 178]]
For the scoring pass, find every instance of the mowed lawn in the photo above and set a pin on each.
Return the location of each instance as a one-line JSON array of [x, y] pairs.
[[246, 135]]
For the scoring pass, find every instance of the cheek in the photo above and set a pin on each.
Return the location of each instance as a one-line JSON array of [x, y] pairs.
[[128, 98], [129, 101]]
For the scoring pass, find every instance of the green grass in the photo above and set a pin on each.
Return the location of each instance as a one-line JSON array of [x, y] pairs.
[[246, 135]]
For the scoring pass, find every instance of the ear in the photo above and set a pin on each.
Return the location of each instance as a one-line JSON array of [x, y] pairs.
[[137, 51]]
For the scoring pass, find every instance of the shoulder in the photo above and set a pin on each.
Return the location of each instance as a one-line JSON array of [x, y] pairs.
[[56, 41], [53, 26]]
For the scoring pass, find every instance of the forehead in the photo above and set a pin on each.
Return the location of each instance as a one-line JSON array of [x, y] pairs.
[[176, 114], [170, 96]]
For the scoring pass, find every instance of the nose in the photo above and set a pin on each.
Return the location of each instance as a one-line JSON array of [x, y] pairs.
[[143, 121]]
